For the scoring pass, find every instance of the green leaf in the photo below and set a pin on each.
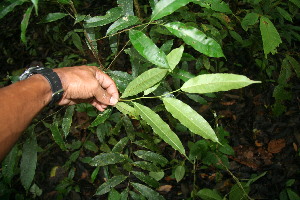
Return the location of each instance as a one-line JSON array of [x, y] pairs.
[[9, 165], [110, 16], [91, 146], [196, 38], [24, 24], [51, 17], [77, 41], [107, 159], [122, 23], [151, 156], [144, 81], [145, 46], [29, 160], [127, 110], [8, 6], [127, 7], [249, 20], [146, 166], [67, 120], [284, 14], [118, 148], [95, 174], [63, 1], [174, 57], [208, 83], [208, 194], [216, 5], [167, 7], [147, 192], [114, 195], [239, 191], [111, 183], [292, 195], [35, 4], [122, 79], [296, 2], [183, 75], [190, 118], [57, 136], [179, 173], [91, 40], [226, 149], [146, 179], [101, 118], [160, 127], [270, 37], [157, 175], [295, 64]]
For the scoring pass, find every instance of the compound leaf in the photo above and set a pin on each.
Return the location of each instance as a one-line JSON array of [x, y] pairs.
[[111, 183], [208, 83], [144, 81], [190, 118], [145, 46], [160, 127], [166, 7], [196, 38], [270, 37]]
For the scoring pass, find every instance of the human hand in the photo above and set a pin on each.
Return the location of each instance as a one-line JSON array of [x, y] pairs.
[[87, 84]]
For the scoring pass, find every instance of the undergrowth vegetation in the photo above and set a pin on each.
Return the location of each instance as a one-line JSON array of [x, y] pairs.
[[166, 57]]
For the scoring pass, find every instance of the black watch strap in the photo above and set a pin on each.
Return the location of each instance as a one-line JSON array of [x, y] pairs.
[[51, 76]]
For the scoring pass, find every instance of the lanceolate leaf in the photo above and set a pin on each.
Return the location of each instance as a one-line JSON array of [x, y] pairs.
[[122, 23], [101, 118], [145, 46], [208, 83], [209, 194], [179, 173], [249, 20], [111, 183], [151, 156], [57, 136], [296, 2], [51, 17], [270, 37], [166, 7], [127, 109], [174, 57], [9, 164], [196, 38], [35, 3], [144, 81], [7, 6], [295, 64], [160, 127], [24, 24], [29, 160], [67, 120], [107, 159], [190, 118], [146, 179], [147, 192], [111, 16]]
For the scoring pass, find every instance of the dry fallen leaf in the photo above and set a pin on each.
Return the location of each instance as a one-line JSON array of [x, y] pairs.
[[275, 146], [165, 188]]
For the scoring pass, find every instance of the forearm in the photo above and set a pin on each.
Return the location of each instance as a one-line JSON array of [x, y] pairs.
[[19, 104]]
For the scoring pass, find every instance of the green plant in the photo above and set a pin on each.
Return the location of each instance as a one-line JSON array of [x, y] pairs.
[[172, 46]]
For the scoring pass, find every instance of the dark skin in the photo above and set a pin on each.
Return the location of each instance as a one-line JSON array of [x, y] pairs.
[[22, 101]]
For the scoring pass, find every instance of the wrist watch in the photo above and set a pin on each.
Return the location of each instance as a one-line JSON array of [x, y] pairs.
[[51, 76]]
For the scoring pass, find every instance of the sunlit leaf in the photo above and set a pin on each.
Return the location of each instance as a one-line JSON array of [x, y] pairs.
[[151, 156], [179, 173], [122, 23], [270, 37], [127, 109], [67, 120], [147, 192], [190, 118], [101, 118], [107, 159], [111, 183], [7, 6], [144, 81], [209, 194], [208, 83], [145, 46], [196, 38], [51, 17], [24, 24], [166, 7], [160, 127], [110, 16], [174, 57], [29, 159], [146, 179]]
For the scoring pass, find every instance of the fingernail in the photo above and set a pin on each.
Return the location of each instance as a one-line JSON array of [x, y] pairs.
[[113, 101]]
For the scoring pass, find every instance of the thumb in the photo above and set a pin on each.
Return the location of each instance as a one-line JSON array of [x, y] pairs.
[[105, 98]]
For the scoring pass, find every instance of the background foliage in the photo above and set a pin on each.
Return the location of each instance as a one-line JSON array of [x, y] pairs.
[[167, 57]]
